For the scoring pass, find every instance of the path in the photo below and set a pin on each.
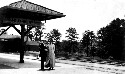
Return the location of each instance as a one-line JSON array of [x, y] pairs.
[[9, 64]]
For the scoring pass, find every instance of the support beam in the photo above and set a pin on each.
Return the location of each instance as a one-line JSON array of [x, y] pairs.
[[22, 44], [16, 29], [5, 30]]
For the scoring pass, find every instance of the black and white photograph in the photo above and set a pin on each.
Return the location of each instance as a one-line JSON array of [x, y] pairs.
[[62, 36]]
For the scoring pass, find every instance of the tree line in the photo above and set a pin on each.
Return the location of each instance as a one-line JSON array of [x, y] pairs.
[[107, 43]]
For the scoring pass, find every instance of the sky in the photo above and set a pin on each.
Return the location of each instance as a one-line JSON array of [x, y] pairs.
[[80, 14]]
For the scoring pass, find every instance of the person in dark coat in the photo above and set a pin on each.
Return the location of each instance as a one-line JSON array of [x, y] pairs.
[[43, 54]]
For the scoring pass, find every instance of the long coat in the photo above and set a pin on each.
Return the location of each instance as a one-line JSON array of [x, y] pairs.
[[51, 55]]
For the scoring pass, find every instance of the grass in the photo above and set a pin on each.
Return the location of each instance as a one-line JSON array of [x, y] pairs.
[[82, 58]]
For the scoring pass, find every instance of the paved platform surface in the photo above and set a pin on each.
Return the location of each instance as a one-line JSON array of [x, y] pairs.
[[9, 64]]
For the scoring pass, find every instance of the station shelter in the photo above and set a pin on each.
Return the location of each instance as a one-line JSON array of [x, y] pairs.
[[25, 13]]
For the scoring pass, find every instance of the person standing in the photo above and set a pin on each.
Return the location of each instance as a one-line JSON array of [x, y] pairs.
[[50, 62], [42, 54]]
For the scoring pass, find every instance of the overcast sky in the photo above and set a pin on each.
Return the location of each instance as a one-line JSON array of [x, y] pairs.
[[80, 14]]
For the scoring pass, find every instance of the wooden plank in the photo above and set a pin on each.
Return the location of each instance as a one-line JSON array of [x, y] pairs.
[[5, 30], [22, 21]]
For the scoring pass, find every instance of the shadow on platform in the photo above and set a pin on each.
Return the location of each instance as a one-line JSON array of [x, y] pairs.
[[6, 67], [45, 70]]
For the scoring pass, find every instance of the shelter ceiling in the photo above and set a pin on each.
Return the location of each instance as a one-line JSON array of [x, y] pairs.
[[26, 13]]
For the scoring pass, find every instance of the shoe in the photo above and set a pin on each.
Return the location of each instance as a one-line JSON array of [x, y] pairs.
[[42, 69], [51, 68], [46, 67]]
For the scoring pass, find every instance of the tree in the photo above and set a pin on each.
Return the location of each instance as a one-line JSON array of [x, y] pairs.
[[111, 39], [37, 33], [87, 42], [72, 38], [54, 35], [72, 34], [30, 35]]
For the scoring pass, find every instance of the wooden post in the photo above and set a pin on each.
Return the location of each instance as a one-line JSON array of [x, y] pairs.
[[22, 44]]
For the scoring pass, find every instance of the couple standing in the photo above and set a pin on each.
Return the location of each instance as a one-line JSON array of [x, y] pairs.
[[47, 54]]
